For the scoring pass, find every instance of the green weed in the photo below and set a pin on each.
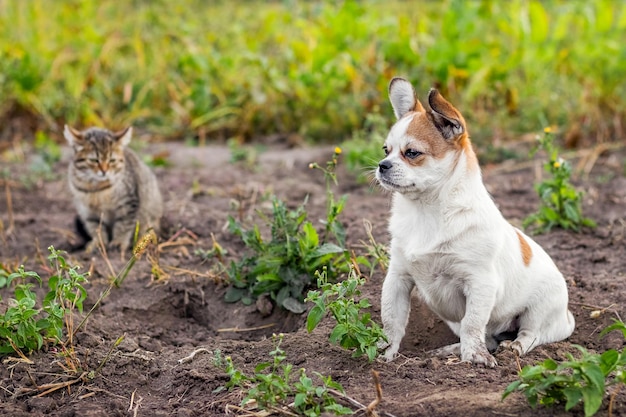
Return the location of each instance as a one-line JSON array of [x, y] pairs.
[[377, 254], [333, 208], [272, 386], [283, 266], [246, 155], [575, 380], [26, 324], [561, 204], [355, 329]]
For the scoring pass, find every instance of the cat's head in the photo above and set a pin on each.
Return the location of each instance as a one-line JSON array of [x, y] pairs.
[[98, 153]]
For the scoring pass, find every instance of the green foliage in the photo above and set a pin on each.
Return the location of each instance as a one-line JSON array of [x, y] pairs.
[[376, 254], [575, 380], [561, 204], [354, 330], [333, 208], [272, 386], [25, 326], [244, 154], [188, 68], [66, 285], [20, 329], [284, 265]]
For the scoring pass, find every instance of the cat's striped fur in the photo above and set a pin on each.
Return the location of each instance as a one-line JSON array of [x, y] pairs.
[[113, 189]]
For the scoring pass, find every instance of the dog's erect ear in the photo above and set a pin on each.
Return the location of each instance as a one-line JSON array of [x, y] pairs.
[[123, 136], [445, 117], [72, 135], [403, 98]]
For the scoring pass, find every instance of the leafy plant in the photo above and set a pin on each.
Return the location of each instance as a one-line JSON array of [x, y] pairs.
[[284, 265], [272, 386], [24, 326], [20, 329], [333, 208], [561, 204], [575, 380], [377, 254], [354, 329], [246, 155]]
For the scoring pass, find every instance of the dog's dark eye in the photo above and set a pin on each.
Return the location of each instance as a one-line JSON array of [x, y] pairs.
[[412, 153], [385, 150]]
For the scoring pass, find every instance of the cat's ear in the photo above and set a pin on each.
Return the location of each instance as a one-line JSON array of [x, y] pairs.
[[123, 136], [72, 135]]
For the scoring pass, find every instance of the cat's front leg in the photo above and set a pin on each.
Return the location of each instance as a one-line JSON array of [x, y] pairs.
[[98, 231], [123, 235]]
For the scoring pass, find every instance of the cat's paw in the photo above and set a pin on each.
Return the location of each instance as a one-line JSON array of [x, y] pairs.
[[91, 247]]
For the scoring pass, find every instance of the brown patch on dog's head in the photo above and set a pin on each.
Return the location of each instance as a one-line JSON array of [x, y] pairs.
[[436, 131], [451, 125], [527, 252], [429, 142]]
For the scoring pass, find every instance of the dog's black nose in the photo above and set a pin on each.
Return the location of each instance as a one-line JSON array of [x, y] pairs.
[[384, 165]]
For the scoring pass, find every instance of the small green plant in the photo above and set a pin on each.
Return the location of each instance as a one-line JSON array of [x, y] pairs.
[[272, 386], [561, 204], [20, 329], [333, 208], [24, 326], [575, 380], [243, 154], [284, 265], [354, 329], [377, 254]]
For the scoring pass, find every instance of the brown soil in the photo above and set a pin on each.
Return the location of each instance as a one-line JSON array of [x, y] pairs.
[[165, 320]]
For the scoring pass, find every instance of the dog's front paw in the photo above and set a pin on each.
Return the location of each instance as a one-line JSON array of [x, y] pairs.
[[382, 344], [390, 355], [480, 357], [391, 352]]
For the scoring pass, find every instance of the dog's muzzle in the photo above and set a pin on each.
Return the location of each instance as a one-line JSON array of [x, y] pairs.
[[384, 165]]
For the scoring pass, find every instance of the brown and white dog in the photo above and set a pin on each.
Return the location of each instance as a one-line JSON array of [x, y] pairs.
[[480, 274]]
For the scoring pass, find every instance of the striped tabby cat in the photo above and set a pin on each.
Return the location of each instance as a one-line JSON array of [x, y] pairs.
[[112, 188]]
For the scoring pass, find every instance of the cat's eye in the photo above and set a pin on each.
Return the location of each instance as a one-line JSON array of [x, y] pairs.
[[386, 150], [112, 160], [94, 160], [412, 153]]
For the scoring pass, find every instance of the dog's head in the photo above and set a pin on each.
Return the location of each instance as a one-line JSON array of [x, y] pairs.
[[425, 146]]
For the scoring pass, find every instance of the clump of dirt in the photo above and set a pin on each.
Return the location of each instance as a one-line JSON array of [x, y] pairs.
[[174, 305]]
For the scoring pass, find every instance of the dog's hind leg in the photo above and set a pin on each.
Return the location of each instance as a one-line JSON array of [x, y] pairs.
[[557, 325]]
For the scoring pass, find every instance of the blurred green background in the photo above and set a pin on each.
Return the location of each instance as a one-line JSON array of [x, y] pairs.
[[214, 70]]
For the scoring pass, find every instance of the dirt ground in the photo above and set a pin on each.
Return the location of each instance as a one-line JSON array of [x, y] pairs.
[[165, 320]]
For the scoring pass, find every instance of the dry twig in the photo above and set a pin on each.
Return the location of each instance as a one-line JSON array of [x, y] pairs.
[[189, 358], [249, 329]]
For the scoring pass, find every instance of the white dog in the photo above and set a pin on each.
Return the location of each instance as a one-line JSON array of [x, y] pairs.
[[476, 271]]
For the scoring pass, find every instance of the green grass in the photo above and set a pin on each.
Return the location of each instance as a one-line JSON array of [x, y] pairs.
[[245, 69]]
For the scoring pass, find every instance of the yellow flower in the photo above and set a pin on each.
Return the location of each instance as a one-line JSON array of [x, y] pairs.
[[311, 166], [337, 150], [556, 164], [547, 129]]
